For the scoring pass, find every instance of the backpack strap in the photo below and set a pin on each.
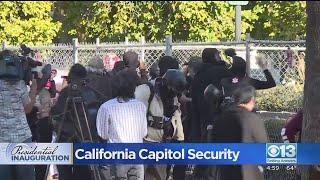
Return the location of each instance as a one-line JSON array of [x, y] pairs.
[[152, 92]]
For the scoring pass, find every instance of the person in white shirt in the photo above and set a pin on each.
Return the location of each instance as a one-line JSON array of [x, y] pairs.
[[123, 120]]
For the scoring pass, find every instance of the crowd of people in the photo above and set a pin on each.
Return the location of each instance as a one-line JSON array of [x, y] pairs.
[[203, 101]]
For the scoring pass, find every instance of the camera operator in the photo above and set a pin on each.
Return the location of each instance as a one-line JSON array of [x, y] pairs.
[[97, 79], [64, 119], [14, 104]]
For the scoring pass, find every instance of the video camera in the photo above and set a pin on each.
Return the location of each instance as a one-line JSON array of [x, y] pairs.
[[29, 64], [13, 67]]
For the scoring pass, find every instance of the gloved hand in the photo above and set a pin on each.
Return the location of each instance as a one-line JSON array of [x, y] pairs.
[[168, 129]]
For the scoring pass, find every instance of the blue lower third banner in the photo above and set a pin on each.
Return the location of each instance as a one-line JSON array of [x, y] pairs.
[[193, 153], [172, 153], [36, 153]]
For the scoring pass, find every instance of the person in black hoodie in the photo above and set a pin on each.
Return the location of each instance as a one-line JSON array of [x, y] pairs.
[[212, 72], [239, 70], [64, 118]]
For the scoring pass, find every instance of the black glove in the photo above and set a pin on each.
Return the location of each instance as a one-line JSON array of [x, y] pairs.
[[168, 129]]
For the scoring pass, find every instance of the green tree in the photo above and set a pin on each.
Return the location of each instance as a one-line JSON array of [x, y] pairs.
[[73, 15], [186, 21], [27, 22], [282, 20]]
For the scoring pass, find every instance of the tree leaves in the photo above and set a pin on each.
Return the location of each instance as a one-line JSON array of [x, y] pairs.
[[27, 22], [60, 21]]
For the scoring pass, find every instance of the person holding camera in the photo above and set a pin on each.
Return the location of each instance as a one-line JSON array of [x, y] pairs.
[[65, 120], [15, 102], [98, 80]]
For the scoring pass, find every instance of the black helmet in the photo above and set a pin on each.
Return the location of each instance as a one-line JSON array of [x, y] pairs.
[[212, 95], [175, 80]]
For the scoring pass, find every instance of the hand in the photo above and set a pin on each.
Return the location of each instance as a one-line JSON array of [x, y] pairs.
[[33, 87], [262, 62], [168, 130], [142, 66], [64, 84], [33, 91]]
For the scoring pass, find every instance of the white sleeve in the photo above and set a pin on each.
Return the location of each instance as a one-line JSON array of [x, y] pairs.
[[142, 94], [102, 123], [145, 124]]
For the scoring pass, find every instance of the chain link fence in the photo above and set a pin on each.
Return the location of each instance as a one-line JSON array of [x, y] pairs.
[[286, 65]]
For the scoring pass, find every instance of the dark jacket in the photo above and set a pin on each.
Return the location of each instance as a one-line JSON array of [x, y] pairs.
[[210, 73], [231, 83], [64, 117], [292, 128], [100, 84], [237, 125], [270, 83]]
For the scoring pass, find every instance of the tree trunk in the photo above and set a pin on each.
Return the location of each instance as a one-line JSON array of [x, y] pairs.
[[311, 121]]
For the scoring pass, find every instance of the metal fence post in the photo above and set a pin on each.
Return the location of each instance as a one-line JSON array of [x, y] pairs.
[[75, 50], [248, 67], [142, 41], [126, 42], [97, 44], [168, 45], [4, 45], [97, 41]]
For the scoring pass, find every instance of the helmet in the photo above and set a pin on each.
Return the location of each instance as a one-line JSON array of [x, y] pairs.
[[213, 95], [175, 80]]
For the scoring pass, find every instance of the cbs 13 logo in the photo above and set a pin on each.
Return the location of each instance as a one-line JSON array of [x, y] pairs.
[[282, 150]]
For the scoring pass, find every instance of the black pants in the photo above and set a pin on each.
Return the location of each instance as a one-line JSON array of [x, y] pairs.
[[44, 135], [32, 120], [71, 172], [179, 171]]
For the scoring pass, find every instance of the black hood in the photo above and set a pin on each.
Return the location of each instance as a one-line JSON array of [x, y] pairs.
[[238, 66]]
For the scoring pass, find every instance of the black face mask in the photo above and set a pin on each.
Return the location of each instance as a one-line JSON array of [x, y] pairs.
[[189, 79]]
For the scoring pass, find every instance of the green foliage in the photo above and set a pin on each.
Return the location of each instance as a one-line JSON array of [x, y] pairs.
[[114, 20], [27, 22], [285, 20], [281, 98], [186, 21]]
